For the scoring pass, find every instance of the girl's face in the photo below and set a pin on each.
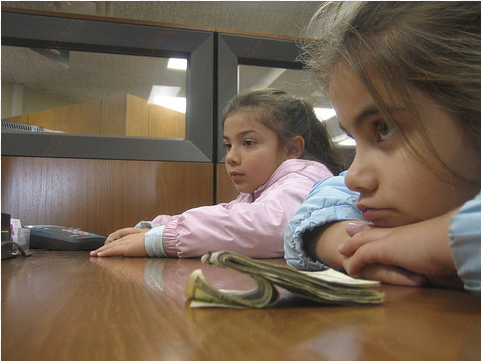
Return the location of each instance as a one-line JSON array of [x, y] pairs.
[[395, 187], [252, 151]]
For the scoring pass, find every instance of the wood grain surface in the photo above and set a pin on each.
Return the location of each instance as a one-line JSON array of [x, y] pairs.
[[101, 195], [68, 306]]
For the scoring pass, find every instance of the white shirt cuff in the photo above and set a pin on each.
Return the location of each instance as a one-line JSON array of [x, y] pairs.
[[154, 243]]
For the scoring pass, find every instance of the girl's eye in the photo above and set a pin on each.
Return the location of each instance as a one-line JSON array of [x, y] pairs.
[[227, 146], [383, 130], [248, 143]]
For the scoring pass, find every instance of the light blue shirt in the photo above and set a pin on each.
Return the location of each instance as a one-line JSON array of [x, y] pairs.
[[465, 245], [329, 201]]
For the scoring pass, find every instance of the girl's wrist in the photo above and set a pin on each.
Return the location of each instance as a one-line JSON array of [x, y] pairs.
[[154, 244]]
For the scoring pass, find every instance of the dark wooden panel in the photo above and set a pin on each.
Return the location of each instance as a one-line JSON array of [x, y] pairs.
[[100, 195]]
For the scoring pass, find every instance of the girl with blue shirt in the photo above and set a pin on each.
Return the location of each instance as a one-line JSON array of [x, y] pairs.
[[405, 81]]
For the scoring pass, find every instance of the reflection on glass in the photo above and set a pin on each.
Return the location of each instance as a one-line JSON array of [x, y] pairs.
[[298, 83], [93, 93]]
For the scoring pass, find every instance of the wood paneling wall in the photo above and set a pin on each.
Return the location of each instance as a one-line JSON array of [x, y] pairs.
[[82, 118], [101, 196], [165, 122], [123, 114]]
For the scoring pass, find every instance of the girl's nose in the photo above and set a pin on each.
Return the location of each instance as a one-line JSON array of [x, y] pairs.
[[361, 176], [232, 157]]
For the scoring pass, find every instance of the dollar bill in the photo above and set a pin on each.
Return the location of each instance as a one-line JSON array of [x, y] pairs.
[[330, 287], [199, 289]]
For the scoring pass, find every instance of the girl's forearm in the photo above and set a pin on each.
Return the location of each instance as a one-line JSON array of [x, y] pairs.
[[323, 243]]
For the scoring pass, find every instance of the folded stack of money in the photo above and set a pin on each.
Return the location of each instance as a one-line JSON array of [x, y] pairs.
[[329, 287]]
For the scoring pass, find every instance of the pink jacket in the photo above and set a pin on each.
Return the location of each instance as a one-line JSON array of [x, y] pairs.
[[252, 224]]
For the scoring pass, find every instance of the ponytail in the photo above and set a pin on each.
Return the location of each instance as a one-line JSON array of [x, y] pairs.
[[319, 146]]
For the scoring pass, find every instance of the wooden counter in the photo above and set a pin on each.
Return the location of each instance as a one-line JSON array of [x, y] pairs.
[[68, 306]]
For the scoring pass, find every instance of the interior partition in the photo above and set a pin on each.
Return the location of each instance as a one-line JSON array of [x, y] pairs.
[[99, 195]]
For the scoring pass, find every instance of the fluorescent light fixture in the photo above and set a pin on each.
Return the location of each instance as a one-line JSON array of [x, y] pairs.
[[175, 103], [166, 96], [177, 64], [349, 142], [324, 113], [344, 141]]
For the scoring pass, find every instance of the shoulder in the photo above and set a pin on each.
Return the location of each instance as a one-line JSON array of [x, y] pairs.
[[304, 168], [297, 173], [332, 187], [328, 201]]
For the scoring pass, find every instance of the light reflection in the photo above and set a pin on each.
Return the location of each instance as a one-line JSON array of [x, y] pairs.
[[175, 103], [339, 345], [324, 114], [177, 64], [166, 96]]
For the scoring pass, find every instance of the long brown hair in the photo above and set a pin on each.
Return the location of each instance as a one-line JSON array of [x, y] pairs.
[[433, 46]]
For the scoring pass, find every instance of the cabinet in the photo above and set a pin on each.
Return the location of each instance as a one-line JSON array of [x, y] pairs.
[[118, 115]]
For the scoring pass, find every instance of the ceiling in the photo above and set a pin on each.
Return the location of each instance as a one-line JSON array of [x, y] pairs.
[[285, 18]]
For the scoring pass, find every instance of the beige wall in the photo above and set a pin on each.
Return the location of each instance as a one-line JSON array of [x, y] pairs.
[[33, 100]]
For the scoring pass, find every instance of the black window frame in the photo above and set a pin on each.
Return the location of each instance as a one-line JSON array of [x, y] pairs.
[[76, 33], [234, 50]]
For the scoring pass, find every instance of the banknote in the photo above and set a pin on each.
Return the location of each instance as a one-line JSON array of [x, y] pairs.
[[329, 287]]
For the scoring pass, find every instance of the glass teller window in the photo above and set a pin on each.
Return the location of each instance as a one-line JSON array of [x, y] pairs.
[[106, 89], [80, 92], [298, 83]]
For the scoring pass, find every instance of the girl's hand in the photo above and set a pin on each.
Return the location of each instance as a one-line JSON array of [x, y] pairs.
[[127, 242], [381, 272], [399, 255], [391, 275], [115, 236]]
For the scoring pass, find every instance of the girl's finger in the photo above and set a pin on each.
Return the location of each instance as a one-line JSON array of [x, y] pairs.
[[392, 275]]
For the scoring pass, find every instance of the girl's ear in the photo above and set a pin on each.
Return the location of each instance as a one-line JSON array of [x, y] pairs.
[[295, 147]]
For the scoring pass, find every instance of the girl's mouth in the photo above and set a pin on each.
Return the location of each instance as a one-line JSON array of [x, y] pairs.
[[235, 175], [374, 214]]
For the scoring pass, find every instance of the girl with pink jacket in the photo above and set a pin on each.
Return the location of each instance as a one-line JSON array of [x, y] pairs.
[[276, 149]]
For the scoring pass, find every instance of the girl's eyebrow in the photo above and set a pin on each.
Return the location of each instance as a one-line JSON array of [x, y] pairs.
[[242, 134], [358, 120], [370, 110]]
